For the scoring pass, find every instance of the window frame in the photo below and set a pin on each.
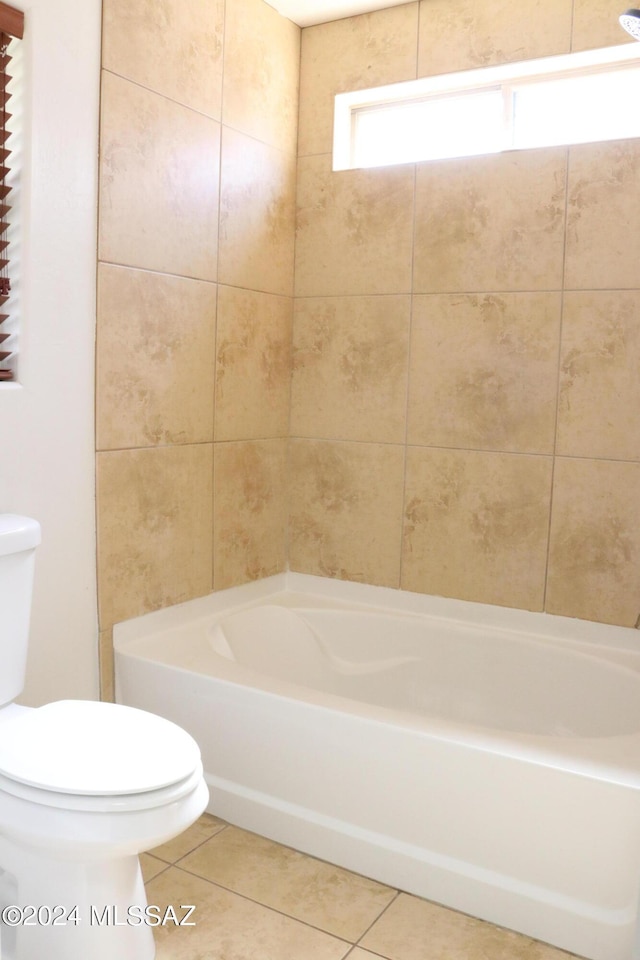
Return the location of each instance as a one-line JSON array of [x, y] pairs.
[[506, 77]]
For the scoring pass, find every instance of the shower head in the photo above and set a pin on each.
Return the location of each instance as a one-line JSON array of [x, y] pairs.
[[630, 21]]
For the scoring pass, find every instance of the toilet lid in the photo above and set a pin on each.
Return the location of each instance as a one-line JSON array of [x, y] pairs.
[[92, 748]]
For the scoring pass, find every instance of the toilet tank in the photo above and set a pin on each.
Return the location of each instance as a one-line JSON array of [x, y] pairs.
[[19, 537]]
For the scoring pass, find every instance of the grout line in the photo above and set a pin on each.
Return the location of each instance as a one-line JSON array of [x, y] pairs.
[[438, 293], [573, 13], [558, 383], [378, 443], [288, 539], [460, 293], [163, 96], [379, 917], [419, 16], [363, 295], [165, 866], [172, 863], [408, 380], [194, 279], [215, 339], [351, 944], [201, 844], [354, 296], [264, 906]]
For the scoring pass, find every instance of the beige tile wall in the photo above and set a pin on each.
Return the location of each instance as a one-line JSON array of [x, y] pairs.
[[196, 243], [466, 346]]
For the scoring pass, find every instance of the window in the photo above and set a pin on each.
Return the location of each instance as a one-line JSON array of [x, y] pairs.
[[11, 31], [574, 98]]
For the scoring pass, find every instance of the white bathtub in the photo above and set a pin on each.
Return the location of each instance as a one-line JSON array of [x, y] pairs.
[[484, 758]]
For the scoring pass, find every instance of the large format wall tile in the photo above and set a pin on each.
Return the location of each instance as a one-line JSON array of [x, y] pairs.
[[155, 358], [594, 561], [250, 511], [603, 238], [350, 357], [154, 528], [163, 100], [351, 54], [346, 507], [476, 526], [491, 228], [484, 371], [253, 365], [106, 665], [599, 375], [261, 67], [490, 223], [257, 215], [173, 47], [158, 182], [354, 229], [468, 34], [595, 24]]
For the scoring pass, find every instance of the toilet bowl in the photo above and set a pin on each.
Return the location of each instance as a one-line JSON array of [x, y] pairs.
[[85, 787]]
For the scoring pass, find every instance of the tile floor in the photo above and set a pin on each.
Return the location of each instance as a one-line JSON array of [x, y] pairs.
[[258, 900]]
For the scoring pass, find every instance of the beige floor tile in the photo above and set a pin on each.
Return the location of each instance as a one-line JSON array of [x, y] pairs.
[[151, 866], [203, 829], [228, 927], [542, 951], [358, 954], [413, 929], [319, 893]]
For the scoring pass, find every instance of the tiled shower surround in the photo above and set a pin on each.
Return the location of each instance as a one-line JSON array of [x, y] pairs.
[[423, 376]]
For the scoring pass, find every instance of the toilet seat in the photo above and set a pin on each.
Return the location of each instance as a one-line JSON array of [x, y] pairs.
[[94, 803], [89, 755]]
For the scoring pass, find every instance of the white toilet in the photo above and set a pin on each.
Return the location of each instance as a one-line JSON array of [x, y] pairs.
[[84, 788]]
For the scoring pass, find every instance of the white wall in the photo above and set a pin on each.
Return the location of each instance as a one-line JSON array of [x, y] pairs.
[[47, 422]]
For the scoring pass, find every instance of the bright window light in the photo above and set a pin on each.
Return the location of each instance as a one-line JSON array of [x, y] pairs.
[[577, 109], [445, 126], [575, 98]]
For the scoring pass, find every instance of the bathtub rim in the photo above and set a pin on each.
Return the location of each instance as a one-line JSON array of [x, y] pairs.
[[624, 641], [614, 759]]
